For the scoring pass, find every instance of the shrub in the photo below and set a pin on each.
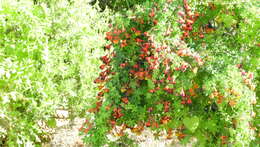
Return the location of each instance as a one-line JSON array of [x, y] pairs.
[[46, 60], [116, 5], [178, 67]]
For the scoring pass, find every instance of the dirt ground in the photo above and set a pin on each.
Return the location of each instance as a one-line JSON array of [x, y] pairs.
[[67, 135]]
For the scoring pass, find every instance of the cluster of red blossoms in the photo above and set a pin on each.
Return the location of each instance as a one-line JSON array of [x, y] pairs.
[[186, 96], [187, 20], [146, 58], [122, 38]]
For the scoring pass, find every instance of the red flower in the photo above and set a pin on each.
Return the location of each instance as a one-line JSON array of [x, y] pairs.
[[127, 35], [122, 65], [185, 34], [106, 90], [113, 122], [123, 44], [196, 14], [105, 59], [109, 36], [116, 41], [138, 40], [108, 46], [223, 139], [189, 101], [102, 66], [132, 71], [152, 91], [136, 66], [165, 120], [101, 93], [148, 124], [86, 130], [152, 14], [125, 100], [108, 107], [183, 102], [117, 113], [166, 106], [155, 22], [133, 29], [155, 125], [137, 32]]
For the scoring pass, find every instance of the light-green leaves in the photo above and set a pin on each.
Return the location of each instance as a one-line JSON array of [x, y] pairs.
[[228, 20], [191, 123]]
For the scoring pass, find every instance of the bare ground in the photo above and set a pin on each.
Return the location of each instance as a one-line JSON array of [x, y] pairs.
[[67, 135]]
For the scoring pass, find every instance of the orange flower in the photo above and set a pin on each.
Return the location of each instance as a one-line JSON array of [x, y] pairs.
[[192, 92], [117, 113], [86, 130], [136, 66], [148, 124], [180, 135], [115, 41], [127, 35], [133, 29], [232, 103], [100, 87], [151, 90], [209, 30], [189, 101], [122, 65], [138, 40], [123, 44], [137, 130], [155, 22], [109, 36], [108, 46], [108, 107], [137, 32], [169, 134], [155, 125], [165, 120], [223, 139], [125, 100], [106, 90]]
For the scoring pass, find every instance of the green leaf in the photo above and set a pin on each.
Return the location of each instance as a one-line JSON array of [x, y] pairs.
[[159, 107], [191, 123], [228, 20], [150, 84], [4, 123], [52, 123]]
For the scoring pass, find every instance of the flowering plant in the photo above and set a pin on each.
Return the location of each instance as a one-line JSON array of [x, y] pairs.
[[169, 68]]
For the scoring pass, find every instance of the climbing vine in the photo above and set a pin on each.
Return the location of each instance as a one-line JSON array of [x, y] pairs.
[[181, 68]]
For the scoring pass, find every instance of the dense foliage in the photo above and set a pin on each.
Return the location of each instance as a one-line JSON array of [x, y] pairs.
[[116, 5], [46, 57], [184, 67], [180, 68]]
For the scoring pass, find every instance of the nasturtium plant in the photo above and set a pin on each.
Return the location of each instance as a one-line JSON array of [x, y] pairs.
[[179, 67]]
